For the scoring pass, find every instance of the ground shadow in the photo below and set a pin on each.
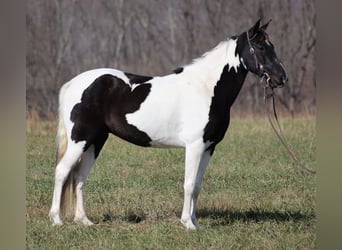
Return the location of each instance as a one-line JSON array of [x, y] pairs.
[[223, 217], [130, 217], [227, 217]]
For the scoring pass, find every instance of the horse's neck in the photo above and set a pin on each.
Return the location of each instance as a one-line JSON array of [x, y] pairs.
[[217, 68]]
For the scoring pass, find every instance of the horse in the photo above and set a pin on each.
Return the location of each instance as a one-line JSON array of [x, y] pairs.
[[188, 108]]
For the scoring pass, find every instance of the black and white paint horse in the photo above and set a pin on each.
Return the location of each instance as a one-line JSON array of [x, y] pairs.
[[189, 108]]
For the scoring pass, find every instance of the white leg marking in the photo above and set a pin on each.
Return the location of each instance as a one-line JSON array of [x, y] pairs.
[[196, 160], [63, 168], [203, 165], [87, 161]]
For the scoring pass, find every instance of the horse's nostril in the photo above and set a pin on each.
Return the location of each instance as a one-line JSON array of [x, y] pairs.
[[284, 79]]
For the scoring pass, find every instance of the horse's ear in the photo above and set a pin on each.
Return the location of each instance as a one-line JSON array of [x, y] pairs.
[[264, 27], [252, 31]]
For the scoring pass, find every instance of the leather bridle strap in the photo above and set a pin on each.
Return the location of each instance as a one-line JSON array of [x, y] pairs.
[[279, 132], [252, 51]]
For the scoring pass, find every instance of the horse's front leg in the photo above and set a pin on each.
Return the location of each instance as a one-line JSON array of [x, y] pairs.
[[196, 160], [206, 155]]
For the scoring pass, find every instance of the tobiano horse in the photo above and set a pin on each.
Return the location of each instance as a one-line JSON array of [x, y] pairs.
[[188, 108]]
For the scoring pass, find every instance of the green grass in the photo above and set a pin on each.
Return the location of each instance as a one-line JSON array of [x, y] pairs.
[[253, 196]]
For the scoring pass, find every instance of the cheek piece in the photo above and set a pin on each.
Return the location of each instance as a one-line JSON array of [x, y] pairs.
[[258, 66]]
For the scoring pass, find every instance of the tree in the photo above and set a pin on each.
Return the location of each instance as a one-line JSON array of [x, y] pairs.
[[153, 37]]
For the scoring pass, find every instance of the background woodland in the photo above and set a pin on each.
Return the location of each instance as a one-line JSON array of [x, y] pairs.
[[153, 37]]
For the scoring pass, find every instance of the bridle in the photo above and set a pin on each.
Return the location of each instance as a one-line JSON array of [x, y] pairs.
[[264, 75], [259, 66], [268, 94]]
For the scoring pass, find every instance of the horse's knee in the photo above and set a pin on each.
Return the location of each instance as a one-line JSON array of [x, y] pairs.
[[192, 187], [189, 187]]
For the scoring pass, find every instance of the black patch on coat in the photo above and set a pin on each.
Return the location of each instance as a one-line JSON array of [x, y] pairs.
[[133, 78], [178, 70], [225, 93], [102, 110]]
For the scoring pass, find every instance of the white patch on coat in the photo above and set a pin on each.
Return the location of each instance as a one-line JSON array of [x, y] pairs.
[[233, 60], [170, 114], [243, 63], [176, 110], [134, 85]]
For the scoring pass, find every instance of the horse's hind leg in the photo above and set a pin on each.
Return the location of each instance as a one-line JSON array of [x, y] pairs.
[[87, 161], [63, 169]]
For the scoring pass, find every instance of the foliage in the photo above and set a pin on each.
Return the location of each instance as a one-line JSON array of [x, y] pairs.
[[153, 37]]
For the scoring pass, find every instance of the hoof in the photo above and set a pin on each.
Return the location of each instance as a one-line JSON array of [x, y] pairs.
[[189, 225], [56, 220], [58, 223], [84, 220]]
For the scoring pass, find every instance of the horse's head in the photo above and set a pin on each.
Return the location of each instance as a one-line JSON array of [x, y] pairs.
[[259, 57]]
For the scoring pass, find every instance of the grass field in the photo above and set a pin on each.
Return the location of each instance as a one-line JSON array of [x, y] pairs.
[[253, 196]]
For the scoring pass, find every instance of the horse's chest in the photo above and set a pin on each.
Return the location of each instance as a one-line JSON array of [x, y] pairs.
[[217, 126]]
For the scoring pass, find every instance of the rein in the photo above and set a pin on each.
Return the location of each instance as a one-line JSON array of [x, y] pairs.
[[269, 94], [279, 132]]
